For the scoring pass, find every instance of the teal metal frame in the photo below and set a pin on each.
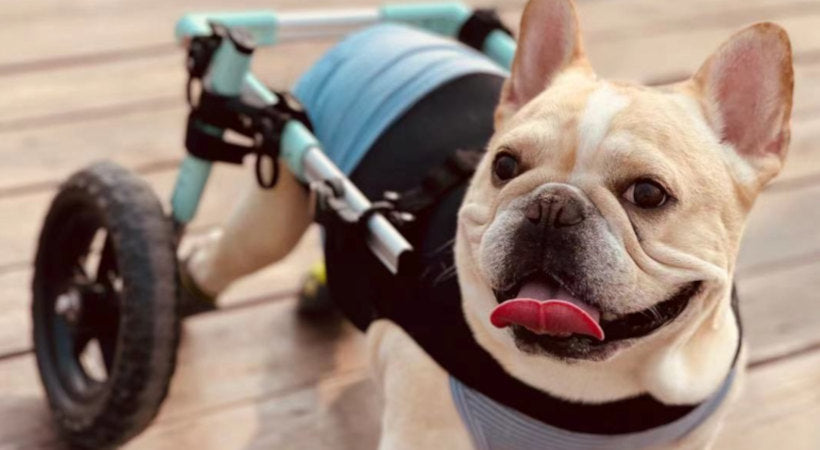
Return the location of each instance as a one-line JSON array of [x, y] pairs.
[[229, 75]]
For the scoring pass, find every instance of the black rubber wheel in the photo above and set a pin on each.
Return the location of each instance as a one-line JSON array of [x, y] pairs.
[[105, 313]]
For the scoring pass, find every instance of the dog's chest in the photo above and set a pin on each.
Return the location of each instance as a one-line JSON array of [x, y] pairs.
[[494, 426]]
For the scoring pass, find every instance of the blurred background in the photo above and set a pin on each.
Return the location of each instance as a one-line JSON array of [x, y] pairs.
[[83, 80]]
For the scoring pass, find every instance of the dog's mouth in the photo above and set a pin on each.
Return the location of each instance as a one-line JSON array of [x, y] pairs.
[[542, 311]]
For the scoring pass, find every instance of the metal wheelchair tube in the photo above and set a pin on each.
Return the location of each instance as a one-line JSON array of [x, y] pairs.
[[225, 77], [299, 25], [303, 154], [269, 27], [383, 240]]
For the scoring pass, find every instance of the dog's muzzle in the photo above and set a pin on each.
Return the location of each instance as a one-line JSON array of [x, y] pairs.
[[559, 281]]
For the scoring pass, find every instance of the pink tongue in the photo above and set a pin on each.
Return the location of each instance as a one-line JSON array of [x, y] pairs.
[[544, 310]]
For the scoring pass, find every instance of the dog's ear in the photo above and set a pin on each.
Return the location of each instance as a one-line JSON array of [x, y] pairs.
[[745, 88], [549, 42]]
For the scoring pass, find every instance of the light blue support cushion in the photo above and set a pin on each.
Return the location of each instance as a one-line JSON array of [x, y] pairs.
[[371, 78]]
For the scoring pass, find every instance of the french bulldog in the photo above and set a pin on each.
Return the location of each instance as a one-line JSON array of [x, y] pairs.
[[595, 246]]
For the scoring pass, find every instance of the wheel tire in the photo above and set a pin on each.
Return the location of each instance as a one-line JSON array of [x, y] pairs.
[[142, 308]]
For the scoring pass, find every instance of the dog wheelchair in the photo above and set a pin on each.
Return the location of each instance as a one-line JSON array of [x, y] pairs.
[[106, 271]]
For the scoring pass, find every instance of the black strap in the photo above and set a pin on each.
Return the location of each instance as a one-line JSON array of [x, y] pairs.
[[203, 145], [212, 114], [480, 24], [215, 113], [458, 167], [402, 210]]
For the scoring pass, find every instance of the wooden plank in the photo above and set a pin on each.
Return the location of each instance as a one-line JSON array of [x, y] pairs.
[[781, 227], [22, 215], [48, 93], [15, 315], [225, 360], [26, 420], [680, 52], [78, 33], [51, 129], [610, 21], [779, 408], [69, 94], [77, 87], [37, 159], [68, 34], [780, 310], [335, 414], [806, 87], [278, 280], [803, 162], [56, 30]]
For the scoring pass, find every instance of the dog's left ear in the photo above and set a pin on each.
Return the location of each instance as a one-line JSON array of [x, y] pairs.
[[745, 88], [549, 42]]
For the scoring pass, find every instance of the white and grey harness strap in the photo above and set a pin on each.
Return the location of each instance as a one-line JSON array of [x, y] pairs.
[[494, 426]]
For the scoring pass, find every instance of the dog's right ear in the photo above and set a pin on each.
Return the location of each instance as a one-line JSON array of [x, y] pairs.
[[549, 42]]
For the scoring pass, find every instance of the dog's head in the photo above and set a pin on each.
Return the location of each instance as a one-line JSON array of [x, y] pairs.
[[606, 217]]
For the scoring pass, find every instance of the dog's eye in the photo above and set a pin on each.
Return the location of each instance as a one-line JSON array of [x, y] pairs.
[[646, 194], [505, 167]]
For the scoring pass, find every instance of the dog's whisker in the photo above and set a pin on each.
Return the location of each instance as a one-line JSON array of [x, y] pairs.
[[446, 274], [447, 246]]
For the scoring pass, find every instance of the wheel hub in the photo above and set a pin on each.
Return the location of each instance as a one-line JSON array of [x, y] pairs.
[[69, 305]]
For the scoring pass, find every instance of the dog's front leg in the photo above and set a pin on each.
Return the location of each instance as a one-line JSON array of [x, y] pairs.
[[418, 409]]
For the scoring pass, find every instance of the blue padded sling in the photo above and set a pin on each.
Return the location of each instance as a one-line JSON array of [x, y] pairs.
[[368, 80]]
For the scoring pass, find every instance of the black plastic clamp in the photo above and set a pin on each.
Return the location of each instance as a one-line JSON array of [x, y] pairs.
[[480, 24], [212, 114], [331, 210]]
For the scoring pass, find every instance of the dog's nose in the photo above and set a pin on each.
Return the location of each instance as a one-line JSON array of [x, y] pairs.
[[557, 209]]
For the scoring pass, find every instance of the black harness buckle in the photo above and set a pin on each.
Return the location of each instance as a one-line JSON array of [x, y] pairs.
[[480, 24], [332, 211], [212, 114]]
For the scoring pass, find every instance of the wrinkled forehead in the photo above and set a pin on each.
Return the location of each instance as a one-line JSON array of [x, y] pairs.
[[583, 126]]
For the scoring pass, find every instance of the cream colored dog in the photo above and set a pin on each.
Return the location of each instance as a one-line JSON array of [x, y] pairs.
[[643, 193]]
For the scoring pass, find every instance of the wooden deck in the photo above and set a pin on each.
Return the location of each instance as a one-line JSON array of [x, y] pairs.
[[83, 80]]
